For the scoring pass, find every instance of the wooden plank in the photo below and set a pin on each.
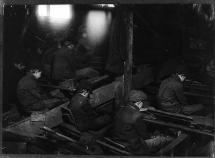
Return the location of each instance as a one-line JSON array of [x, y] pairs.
[[108, 1], [102, 143], [72, 128], [172, 114], [199, 95], [193, 119], [32, 129], [103, 94], [171, 146], [176, 126], [203, 121]]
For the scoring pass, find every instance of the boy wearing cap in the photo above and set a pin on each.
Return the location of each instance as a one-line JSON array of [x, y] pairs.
[[171, 95], [30, 95], [85, 116], [130, 128]]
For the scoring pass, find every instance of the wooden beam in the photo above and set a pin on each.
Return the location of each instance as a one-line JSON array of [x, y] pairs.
[[214, 61], [171, 146], [129, 59], [1, 69], [72, 128], [102, 143], [180, 116]]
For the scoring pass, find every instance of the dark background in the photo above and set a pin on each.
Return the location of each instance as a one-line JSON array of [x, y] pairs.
[[161, 33]]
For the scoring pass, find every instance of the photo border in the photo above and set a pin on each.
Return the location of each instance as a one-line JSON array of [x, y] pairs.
[[34, 2]]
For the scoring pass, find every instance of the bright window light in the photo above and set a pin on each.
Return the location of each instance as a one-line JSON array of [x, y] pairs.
[[42, 10], [97, 24], [56, 16], [60, 11]]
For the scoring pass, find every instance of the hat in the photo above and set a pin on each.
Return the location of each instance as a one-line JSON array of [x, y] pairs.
[[84, 84], [136, 95], [181, 70], [34, 65]]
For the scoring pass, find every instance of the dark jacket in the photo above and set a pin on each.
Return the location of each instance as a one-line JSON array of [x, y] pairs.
[[131, 129], [29, 94], [85, 116], [171, 97], [83, 112]]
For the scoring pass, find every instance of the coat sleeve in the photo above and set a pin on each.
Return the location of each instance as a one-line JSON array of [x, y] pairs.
[[26, 97], [89, 110], [141, 128], [180, 94], [29, 101], [36, 93]]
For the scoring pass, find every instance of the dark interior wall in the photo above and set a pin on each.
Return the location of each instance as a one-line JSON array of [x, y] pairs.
[[169, 32], [198, 41], [161, 32], [13, 24], [24, 36], [157, 27]]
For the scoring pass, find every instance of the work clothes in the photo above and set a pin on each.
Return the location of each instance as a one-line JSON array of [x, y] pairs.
[[130, 128], [69, 63], [31, 97], [85, 116], [170, 96]]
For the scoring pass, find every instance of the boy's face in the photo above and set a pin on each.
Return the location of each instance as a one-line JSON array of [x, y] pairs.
[[139, 104], [85, 93], [37, 74], [182, 77]]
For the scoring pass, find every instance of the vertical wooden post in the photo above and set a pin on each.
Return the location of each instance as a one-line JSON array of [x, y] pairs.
[[214, 57], [1, 69], [129, 47]]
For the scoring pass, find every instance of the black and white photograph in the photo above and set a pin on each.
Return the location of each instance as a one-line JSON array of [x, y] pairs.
[[108, 79]]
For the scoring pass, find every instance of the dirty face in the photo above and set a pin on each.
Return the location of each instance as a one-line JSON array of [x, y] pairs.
[[139, 104], [182, 77], [36, 73], [85, 93]]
